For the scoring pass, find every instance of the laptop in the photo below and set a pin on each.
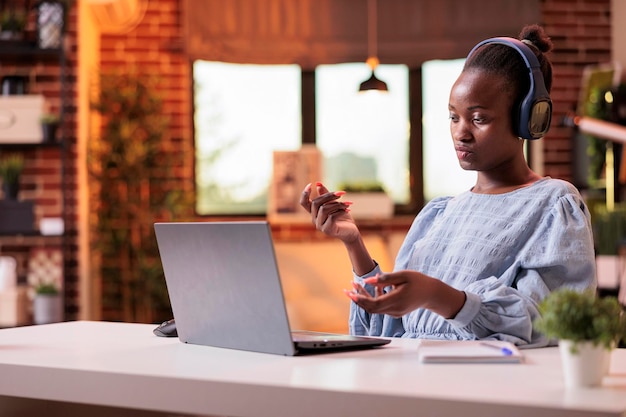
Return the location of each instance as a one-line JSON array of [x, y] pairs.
[[225, 290]]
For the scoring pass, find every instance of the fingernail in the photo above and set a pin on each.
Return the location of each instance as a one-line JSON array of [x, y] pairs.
[[339, 193], [350, 295], [371, 280], [319, 184], [308, 187], [348, 203]]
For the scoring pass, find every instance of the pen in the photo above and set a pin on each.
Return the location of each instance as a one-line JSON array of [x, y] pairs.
[[505, 351]]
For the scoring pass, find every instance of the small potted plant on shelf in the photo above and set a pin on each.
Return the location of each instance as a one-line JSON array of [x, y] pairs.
[[12, 24], [609, 230], [10, 171], [49, 126], [369, 198], [588, 328], [47, 306]]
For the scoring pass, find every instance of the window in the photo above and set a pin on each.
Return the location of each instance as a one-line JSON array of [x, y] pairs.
[[442, 174], [242, 114], [245, 112], [364, 137]]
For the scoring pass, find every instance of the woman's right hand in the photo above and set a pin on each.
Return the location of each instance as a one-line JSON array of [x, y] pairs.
[[328, 214]]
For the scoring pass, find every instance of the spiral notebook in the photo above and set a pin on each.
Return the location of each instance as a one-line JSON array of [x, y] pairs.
[[468, 351]]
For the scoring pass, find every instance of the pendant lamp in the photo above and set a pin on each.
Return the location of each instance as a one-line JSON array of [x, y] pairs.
[[372, 83]]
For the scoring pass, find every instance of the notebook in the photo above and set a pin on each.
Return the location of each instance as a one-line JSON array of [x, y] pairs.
[[225, 290], [468, 351]]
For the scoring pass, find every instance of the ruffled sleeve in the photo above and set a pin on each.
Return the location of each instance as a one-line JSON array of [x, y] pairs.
[[558, 254], [363, 323]]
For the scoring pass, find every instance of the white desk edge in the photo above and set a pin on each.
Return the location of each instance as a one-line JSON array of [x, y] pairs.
[[124, 365]]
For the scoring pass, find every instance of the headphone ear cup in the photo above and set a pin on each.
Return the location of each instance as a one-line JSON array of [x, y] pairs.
[[540, 117], [531, 117], [535, 111]]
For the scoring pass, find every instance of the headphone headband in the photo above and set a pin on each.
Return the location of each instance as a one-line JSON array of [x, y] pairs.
[[535, 109]]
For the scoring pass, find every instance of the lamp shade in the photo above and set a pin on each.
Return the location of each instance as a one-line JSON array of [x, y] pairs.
[[373, 83]]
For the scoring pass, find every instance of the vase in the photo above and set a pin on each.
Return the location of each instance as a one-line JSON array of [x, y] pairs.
[[50, 24], [49, 132], [586, 366], [47, 308], [9, 35], [370, 205], [11, 190]]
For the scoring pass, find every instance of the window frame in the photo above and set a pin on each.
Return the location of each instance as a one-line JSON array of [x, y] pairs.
[[416, 166], [308, 136]]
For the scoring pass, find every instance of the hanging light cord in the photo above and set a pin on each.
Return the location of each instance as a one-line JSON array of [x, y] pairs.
[[372, 83], [372, 38]]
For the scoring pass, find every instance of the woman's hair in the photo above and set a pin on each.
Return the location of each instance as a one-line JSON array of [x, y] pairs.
[[505, 61]]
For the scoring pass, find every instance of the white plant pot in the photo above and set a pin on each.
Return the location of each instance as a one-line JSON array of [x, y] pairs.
[[370, 205], [586, 367], [47, 308]]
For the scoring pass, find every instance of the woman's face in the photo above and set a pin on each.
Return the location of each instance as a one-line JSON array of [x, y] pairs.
[[480, 122]]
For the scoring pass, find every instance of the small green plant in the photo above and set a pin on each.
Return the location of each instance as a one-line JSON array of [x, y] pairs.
[[362, 187], [12, 21], [49, 118], [582, 316], [609, 227], [46, 288], [11, 168]]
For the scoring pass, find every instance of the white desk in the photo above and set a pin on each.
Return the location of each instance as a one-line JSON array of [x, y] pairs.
[[83, 366]]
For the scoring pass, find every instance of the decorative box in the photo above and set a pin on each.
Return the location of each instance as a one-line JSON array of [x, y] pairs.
[[19, 118], [16, 216]]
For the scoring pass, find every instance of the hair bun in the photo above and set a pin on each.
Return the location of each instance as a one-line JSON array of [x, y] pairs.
[[535, 35]]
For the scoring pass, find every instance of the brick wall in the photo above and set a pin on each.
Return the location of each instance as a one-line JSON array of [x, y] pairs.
[[580, 30]]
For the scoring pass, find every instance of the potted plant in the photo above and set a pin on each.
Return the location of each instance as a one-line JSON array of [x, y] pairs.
[[12, 24], [10, 171], [47, 306], [588, 328], [130, 174], [49, 126], [369, 198], [609, 230]]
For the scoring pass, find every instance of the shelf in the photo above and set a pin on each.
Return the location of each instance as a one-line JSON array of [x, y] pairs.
[[18, 146], [23, 239], [27, 233], [24, 49]]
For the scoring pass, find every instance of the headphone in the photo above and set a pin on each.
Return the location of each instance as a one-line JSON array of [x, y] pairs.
[[535, 110]]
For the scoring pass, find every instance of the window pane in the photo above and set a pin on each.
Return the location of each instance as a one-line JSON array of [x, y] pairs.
[[442, 173], [364, 137], [242, 114]]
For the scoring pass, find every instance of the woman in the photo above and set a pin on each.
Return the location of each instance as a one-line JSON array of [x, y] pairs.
[[476, 265]]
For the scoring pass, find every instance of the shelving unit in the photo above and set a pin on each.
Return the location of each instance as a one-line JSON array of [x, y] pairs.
[[45, 179]]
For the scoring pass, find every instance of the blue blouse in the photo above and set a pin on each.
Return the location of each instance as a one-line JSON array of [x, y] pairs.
[[505, 251]]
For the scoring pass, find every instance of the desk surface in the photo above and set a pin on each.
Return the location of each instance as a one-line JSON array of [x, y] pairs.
[[125, 365]]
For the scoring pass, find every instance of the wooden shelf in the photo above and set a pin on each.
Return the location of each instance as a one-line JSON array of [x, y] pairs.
[[27, 49], [27, 237], [24, 146]]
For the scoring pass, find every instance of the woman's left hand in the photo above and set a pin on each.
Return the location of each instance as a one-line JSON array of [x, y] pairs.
[[409, 291]]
